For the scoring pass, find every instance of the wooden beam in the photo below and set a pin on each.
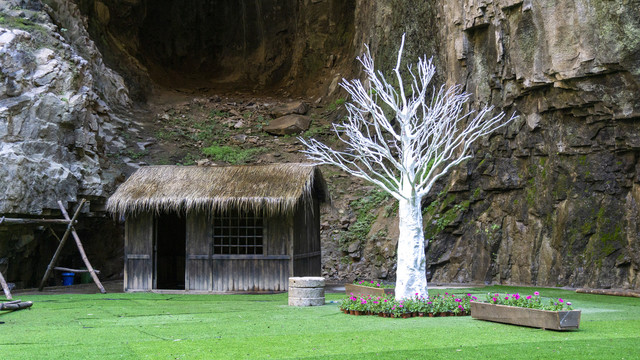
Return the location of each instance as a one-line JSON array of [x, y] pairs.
[[75, 271], [16, 221], [80, 247], [15, 305], [60, 246], [612, 292], [5, 287]]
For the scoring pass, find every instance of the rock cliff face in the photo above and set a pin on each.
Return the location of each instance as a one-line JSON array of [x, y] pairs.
[[55, 98], [555, 201], [56, 122]]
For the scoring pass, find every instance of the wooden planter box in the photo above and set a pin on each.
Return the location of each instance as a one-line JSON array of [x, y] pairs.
[[552, 320], [367, 290]]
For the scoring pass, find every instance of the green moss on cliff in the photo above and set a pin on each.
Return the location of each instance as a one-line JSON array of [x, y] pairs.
[[365, 209], [440, 214], [606, 239]]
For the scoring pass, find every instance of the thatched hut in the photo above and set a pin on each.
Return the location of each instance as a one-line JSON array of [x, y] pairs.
[[220, 228]]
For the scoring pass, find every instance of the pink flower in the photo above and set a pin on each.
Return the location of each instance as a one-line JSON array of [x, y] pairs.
[[560, 300], [372, 281], [378, 285], [495, 299], [458, 300], [474, 298], [517, 296], [468, 294], [400, 305], [568, 303], [529, 297], [360, 282], [506, 298], [416, 294], [460, 307], [536, 293]]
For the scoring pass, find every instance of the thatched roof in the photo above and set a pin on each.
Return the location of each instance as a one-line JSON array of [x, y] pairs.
[[273, 188]]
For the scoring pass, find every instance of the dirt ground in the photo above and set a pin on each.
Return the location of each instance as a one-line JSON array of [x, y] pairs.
[[176, 126], [114, 286]]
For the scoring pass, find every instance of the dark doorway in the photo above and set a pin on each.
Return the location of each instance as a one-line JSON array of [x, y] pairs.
[[170, 251]]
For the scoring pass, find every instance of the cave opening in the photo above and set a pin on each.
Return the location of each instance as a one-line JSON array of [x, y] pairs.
[[251, 45], [225, 42]]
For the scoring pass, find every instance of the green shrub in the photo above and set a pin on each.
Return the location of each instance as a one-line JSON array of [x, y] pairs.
[[230, 154]]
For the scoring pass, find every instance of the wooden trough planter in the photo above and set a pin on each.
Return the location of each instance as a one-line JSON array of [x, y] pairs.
[[550, 320], [367, 290]]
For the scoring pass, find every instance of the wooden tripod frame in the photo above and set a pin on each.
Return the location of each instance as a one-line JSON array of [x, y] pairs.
[[69, 231]]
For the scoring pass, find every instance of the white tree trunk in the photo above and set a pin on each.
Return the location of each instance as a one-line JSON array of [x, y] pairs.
[[411, 277]]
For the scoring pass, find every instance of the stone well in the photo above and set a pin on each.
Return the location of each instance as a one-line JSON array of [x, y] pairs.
[[306, 291]]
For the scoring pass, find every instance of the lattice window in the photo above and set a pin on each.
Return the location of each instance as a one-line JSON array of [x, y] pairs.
[[238, 233]]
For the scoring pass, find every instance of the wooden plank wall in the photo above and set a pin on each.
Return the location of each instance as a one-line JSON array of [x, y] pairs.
[[307, 250], [138, 250], [222, 273], [199, 250], [237, 273], [278, 235]]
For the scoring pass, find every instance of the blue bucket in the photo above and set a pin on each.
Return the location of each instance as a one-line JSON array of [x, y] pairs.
[[67, 278]]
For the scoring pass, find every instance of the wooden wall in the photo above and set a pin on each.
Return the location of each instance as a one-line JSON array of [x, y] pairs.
[[306, 240], [138, 251], [198, 255], [239, 273], [229, 273], [292, 248]]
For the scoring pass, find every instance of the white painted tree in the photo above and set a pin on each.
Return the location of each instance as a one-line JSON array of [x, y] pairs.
[[426, 136]]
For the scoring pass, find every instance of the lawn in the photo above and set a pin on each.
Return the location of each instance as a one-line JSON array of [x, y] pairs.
[[142, 326]]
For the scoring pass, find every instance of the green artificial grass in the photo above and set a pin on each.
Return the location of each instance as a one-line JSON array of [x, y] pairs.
[[154, 326]]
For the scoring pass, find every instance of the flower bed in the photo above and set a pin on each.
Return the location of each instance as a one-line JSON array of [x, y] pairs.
[[373, 284], [366, 288], [387, 306], [534, 301], [531, 310]]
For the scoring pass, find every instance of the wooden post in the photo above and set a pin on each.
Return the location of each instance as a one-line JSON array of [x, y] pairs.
[[61, 245], [5, 287], [79, 244], [54, 234]]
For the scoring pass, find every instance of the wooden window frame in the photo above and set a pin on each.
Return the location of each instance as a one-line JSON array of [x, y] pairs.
[[238, 233]]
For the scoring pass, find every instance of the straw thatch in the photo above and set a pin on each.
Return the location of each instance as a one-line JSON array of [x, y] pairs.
[[271, 189]]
